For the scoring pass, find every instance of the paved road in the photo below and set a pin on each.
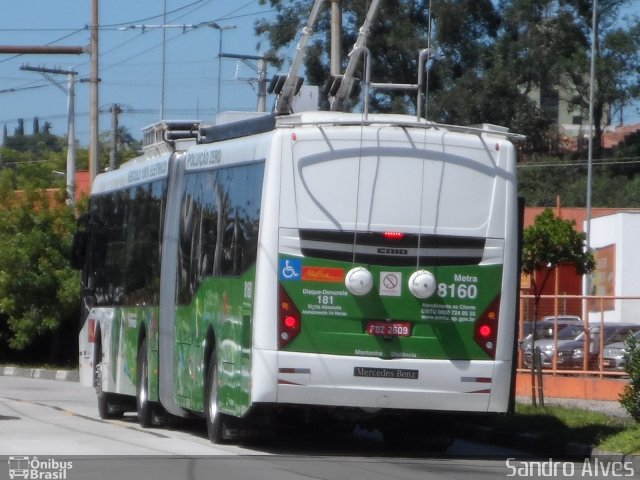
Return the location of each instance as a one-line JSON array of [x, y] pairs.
[[53, 423]]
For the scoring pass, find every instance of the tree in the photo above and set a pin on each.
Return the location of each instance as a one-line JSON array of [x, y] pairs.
[[39, 292], [489, 57], [617, 54], [547, 244], [630, 398]]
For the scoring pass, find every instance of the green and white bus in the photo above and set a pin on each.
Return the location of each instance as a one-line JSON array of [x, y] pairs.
[[307, 263]]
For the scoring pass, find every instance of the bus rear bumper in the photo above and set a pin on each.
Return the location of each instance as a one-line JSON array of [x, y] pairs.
[[362, 382]]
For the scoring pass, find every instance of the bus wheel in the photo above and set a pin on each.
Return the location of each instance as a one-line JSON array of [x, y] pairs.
[[143, 406], [215, 419], [107, 408]]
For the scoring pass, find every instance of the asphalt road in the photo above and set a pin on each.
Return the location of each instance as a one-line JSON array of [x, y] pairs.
[[53, 428]]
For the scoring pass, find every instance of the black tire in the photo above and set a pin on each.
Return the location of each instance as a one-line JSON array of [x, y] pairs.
[[143, 405], [215, 419]]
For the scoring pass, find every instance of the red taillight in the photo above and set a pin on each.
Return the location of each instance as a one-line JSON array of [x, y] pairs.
[[485, 331], [486, 328], [393, 235], [91, 331], [289, 320]]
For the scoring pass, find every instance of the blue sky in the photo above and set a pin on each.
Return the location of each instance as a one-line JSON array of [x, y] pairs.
[[130, 60]]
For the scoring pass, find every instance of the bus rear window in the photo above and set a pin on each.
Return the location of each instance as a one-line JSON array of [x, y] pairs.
[[388, 192]]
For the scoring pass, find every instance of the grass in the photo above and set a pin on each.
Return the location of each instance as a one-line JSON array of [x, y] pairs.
[[558, 426]]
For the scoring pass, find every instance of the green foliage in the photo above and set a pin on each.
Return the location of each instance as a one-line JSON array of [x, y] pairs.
[[552, 241], [489, 59], [630, 398], [39, 292]]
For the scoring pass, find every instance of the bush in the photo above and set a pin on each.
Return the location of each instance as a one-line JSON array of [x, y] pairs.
[[630, 398]]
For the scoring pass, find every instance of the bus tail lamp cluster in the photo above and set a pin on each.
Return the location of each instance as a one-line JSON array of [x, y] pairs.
[[485, 331], [289, 320]]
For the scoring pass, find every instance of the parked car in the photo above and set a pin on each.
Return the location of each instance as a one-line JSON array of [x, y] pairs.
[[544, 327], [571, 354], [547, 343], [613, 354]]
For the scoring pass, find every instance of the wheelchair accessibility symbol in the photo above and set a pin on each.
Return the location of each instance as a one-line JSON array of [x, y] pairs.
[[290, 269]]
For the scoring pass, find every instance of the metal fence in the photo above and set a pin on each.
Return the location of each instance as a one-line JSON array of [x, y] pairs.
[[576, 335]]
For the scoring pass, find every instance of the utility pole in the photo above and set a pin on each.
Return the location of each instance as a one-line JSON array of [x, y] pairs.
[[262, 75], [71, 129], [113, 155], [94, 111]]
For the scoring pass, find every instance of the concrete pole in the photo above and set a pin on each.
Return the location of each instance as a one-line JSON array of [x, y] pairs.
[[113, 154], [71, 140], [262, 85]]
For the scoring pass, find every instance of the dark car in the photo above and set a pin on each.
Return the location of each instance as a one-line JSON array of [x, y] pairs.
[[571, 354]]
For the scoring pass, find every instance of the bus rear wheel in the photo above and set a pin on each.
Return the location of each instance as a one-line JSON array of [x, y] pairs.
[[215, 419], [143, 406]]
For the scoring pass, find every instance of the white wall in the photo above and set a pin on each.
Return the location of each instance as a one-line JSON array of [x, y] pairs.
[[623, 231]]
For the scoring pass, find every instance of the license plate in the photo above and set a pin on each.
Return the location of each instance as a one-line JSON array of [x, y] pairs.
[[389, 329]]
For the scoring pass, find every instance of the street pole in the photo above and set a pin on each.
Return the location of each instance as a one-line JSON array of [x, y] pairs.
[[113, 154], [262, 75], [94, 109], [71, 129], [594, 24], [220, 28], [71, 139]]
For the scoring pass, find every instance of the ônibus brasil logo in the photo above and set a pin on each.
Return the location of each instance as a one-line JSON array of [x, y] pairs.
[[34, 469]]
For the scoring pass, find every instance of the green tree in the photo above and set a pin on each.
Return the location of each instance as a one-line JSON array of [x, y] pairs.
[[39, 292], [547, 244], [630, 398], [617, 54], [488, 60]]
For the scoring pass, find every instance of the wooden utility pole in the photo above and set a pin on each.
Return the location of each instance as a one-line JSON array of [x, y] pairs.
[[94, 110]]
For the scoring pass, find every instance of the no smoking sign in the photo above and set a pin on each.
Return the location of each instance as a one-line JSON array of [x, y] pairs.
[[390, 284]]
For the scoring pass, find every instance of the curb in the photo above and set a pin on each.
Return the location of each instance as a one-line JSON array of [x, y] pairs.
[[41, 373]]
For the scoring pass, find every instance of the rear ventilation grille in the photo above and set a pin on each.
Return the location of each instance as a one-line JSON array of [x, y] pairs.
[[374, 247]]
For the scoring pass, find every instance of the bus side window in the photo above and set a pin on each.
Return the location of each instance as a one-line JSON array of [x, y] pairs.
[[79, 243]]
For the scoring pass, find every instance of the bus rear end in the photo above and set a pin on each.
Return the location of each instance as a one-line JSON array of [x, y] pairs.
[[396, 269]]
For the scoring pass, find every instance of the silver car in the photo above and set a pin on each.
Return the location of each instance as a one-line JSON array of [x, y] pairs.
[[613, 355], [546, 343]]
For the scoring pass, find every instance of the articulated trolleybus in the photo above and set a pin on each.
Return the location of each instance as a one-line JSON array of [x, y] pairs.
[[311, 262], [355, 266]]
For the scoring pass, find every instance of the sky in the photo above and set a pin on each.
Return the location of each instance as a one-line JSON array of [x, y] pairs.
[[130, 61]]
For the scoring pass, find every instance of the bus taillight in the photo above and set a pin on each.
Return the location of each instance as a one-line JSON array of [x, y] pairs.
[[393, 235], [289, 320], [485, 331]]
